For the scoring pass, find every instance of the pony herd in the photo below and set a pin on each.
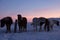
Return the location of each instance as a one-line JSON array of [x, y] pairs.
[[22, 23], [48, 23]]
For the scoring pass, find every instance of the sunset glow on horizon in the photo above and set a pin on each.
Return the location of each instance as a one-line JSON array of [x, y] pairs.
[[30, 8]]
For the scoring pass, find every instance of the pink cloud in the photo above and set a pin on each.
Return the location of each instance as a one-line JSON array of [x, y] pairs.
[[45, 12]]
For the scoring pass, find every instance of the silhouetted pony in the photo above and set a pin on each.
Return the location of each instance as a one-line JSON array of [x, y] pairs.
[[52, 22], [47, 25], [6, 21], [35, 23], [19, 22], [24, 24], [56, 22], [41, 22], [38, 22]]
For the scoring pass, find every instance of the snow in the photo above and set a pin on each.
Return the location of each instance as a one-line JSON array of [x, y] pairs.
[[30, 34]]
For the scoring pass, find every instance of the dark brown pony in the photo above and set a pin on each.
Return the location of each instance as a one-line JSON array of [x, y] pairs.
[[24, 24], [38, 22], [47, 25], [19, 22], [6, 21], [42, 20]]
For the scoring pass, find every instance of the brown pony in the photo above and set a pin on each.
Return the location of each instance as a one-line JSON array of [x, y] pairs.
[[6, 21], [19, 22], [22, 23]]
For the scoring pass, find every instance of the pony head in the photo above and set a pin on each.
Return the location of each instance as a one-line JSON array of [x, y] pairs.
[[56, 22], [2, 23]]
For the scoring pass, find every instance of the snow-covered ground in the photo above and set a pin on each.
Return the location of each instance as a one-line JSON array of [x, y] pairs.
[[30, 35]]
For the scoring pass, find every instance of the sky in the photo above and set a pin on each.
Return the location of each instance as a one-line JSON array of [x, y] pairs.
[[30, 8]]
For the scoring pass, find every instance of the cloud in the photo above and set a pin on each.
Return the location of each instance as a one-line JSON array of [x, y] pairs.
[[47, 12]]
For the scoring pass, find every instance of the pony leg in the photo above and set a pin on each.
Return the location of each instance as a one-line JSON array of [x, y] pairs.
[[35, 28], [41, 23], [25, 28], [45, 27], [51, 27], [20, 28], [48, 28], [40, 29], [8, 28]]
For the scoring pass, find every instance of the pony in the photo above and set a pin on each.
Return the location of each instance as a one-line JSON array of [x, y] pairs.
[[47, 25], [52, 22], [19, 21], [6, 21], [38, 22], [24, 24], [35, 23]]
